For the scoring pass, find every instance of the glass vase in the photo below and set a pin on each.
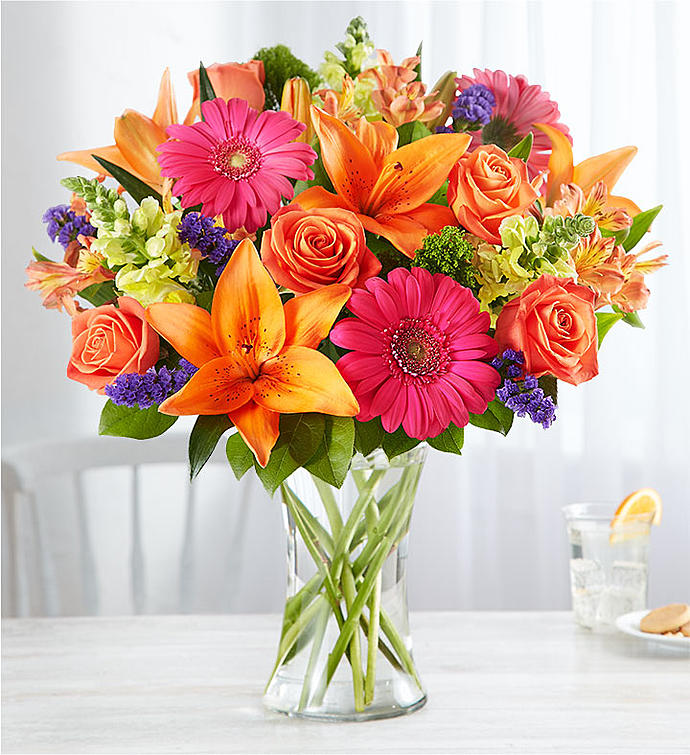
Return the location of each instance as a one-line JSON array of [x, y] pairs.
[[345, 652]]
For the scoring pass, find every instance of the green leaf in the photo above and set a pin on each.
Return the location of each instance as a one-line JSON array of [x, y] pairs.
[[141, 424], [280, 466], [523, 148], [605, 321], [418, 67], [619, 236], [441, 195], [302, 433], [450, 440], [333, 456], [640, 226], [204, 299], [321, 178], [239, 455], [411, 132], [205, 87], [300, 437], [136, 188], [549, 385], [368, 435], [398, 442], [633, 319], [497, 417], [38, 256], [203, 439], [99, 293]]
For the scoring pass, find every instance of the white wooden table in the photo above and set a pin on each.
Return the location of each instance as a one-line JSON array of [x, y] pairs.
[[497, 682]]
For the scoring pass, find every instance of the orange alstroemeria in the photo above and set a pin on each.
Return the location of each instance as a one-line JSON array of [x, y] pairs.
[[595, 204], [387, 188], [257, 358], [607, 168], [136, 140], [341, 104], [58, 283]]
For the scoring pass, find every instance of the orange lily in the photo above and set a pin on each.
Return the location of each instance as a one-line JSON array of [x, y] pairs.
[[387, 188], [607, 168], [136, 140], [256, 358]]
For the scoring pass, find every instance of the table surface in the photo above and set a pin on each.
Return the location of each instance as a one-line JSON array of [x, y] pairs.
[[497, 682]]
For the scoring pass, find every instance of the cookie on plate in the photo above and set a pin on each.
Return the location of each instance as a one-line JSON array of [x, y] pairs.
[[666, 619]]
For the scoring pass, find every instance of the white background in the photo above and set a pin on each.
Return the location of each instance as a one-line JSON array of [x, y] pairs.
[[487, 531]]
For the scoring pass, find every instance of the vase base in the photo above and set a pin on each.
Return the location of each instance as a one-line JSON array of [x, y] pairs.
[[392, 698]]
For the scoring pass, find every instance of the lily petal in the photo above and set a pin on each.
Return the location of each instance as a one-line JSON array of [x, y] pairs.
[[407, 232], [247, 314], [347, 161], [607, 168], [309, 317], [186, 328], [304, 380], [218, 387], [317, 196], [138, 137], [412, 173], [259, 429], [83, 157], [379, 137], [560, 162], [623, 203], [165, 113]]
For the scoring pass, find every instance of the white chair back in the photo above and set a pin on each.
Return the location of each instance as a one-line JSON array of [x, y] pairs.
[[113, 526]]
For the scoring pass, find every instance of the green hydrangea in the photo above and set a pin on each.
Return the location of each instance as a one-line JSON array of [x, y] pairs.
[[449, 252], [279, 66], [151, 261]]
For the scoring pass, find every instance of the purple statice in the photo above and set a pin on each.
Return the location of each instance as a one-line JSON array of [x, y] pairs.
[[474, 106], [444, 130], [521, 392], [211, 240], [64, 225], [153, 387]]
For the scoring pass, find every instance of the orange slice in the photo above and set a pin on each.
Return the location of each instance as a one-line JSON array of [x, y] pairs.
[[644, 505]]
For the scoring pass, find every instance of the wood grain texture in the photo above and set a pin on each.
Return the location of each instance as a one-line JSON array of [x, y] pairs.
[[497, 682]]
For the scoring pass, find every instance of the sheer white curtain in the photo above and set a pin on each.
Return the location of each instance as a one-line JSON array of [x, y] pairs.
[[487, 532]]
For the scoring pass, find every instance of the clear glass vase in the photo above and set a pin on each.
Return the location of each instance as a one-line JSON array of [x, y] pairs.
[[345, 651]]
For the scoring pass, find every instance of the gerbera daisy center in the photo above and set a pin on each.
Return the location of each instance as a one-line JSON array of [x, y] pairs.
[[416, 349], [237, 159]]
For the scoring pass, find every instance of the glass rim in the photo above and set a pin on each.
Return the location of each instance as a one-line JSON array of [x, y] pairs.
[[601, 512]]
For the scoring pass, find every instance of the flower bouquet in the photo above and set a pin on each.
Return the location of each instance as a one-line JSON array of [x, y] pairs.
[[339, 269]]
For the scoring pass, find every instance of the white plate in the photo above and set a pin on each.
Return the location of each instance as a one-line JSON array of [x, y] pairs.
[[630, 624]]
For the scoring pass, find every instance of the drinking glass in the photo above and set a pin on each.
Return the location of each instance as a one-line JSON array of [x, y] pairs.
[[608, 565]]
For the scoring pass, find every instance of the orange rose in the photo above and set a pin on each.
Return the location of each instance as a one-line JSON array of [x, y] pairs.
[[108, 341], [307, 249], [243, 80], [553, 323], [486, 186]]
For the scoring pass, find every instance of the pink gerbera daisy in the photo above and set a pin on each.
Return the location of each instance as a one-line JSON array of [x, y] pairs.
[[519, 105], [236, 162], [419, 345]]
